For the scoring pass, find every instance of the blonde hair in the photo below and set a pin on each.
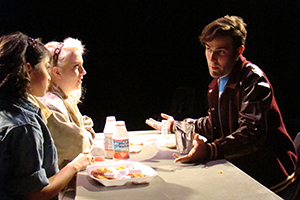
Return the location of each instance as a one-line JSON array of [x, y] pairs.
[[70, 45]]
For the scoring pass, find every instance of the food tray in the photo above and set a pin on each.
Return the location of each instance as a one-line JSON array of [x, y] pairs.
[[137, 166]]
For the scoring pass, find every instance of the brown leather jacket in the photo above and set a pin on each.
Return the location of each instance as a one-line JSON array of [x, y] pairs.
[[250, 131]]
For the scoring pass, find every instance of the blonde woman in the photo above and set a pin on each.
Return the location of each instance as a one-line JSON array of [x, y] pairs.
[[72, 132]]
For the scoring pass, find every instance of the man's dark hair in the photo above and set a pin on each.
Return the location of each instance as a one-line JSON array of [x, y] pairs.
[[231, 26]]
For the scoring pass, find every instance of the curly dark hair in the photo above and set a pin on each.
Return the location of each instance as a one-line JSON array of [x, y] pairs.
[[16, 50], [232, 26]]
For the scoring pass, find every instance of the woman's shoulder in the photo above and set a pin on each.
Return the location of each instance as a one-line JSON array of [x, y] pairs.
[[53, 102], [13, 115], [49, 97]]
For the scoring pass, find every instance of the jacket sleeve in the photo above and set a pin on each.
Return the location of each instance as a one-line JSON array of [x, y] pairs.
[[69, 139], [25, 147], [88, 125]]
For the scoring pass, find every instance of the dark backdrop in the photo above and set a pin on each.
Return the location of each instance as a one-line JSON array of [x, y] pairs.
[[140, 52]]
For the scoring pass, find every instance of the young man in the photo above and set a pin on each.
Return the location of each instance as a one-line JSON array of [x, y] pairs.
[[244, 124]]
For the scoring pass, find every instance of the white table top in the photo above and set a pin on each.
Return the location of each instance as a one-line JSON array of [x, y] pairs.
[[214, 180]]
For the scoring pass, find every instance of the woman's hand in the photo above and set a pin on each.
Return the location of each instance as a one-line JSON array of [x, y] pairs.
[[157, 125], [81, 161], [197, 154]]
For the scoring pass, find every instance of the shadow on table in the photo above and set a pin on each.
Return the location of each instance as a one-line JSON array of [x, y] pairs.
[[156, 187], [153, 153]]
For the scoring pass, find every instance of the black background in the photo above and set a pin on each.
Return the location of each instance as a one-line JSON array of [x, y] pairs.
[[140, 51]]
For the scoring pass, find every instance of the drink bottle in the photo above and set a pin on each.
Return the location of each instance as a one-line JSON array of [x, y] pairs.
[[164, 132], [109, 130], [120, 142]]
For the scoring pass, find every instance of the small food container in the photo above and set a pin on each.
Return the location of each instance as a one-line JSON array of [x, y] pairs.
[[121, 178]]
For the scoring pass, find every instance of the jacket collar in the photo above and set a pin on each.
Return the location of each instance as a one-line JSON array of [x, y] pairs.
[[53, 88], [234, 75], [45, 112], [22, 104]]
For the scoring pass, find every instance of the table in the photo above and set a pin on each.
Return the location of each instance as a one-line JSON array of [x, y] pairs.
[[214, 180]]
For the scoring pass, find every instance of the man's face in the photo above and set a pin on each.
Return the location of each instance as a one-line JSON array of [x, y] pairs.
[[221, 56]]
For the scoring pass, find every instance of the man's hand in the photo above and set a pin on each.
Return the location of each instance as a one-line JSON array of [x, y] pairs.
[[157, 125], [197, 154]]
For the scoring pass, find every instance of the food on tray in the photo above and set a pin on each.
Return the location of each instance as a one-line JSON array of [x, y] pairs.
[[120, 167], [97, 173], [138, 175], [98, 159], [135, 173], [102, 173], [118, 172], [104, 177], [103, 170]]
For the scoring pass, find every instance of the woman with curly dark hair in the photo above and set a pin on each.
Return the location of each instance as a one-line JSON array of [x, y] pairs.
[[28, 156]]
